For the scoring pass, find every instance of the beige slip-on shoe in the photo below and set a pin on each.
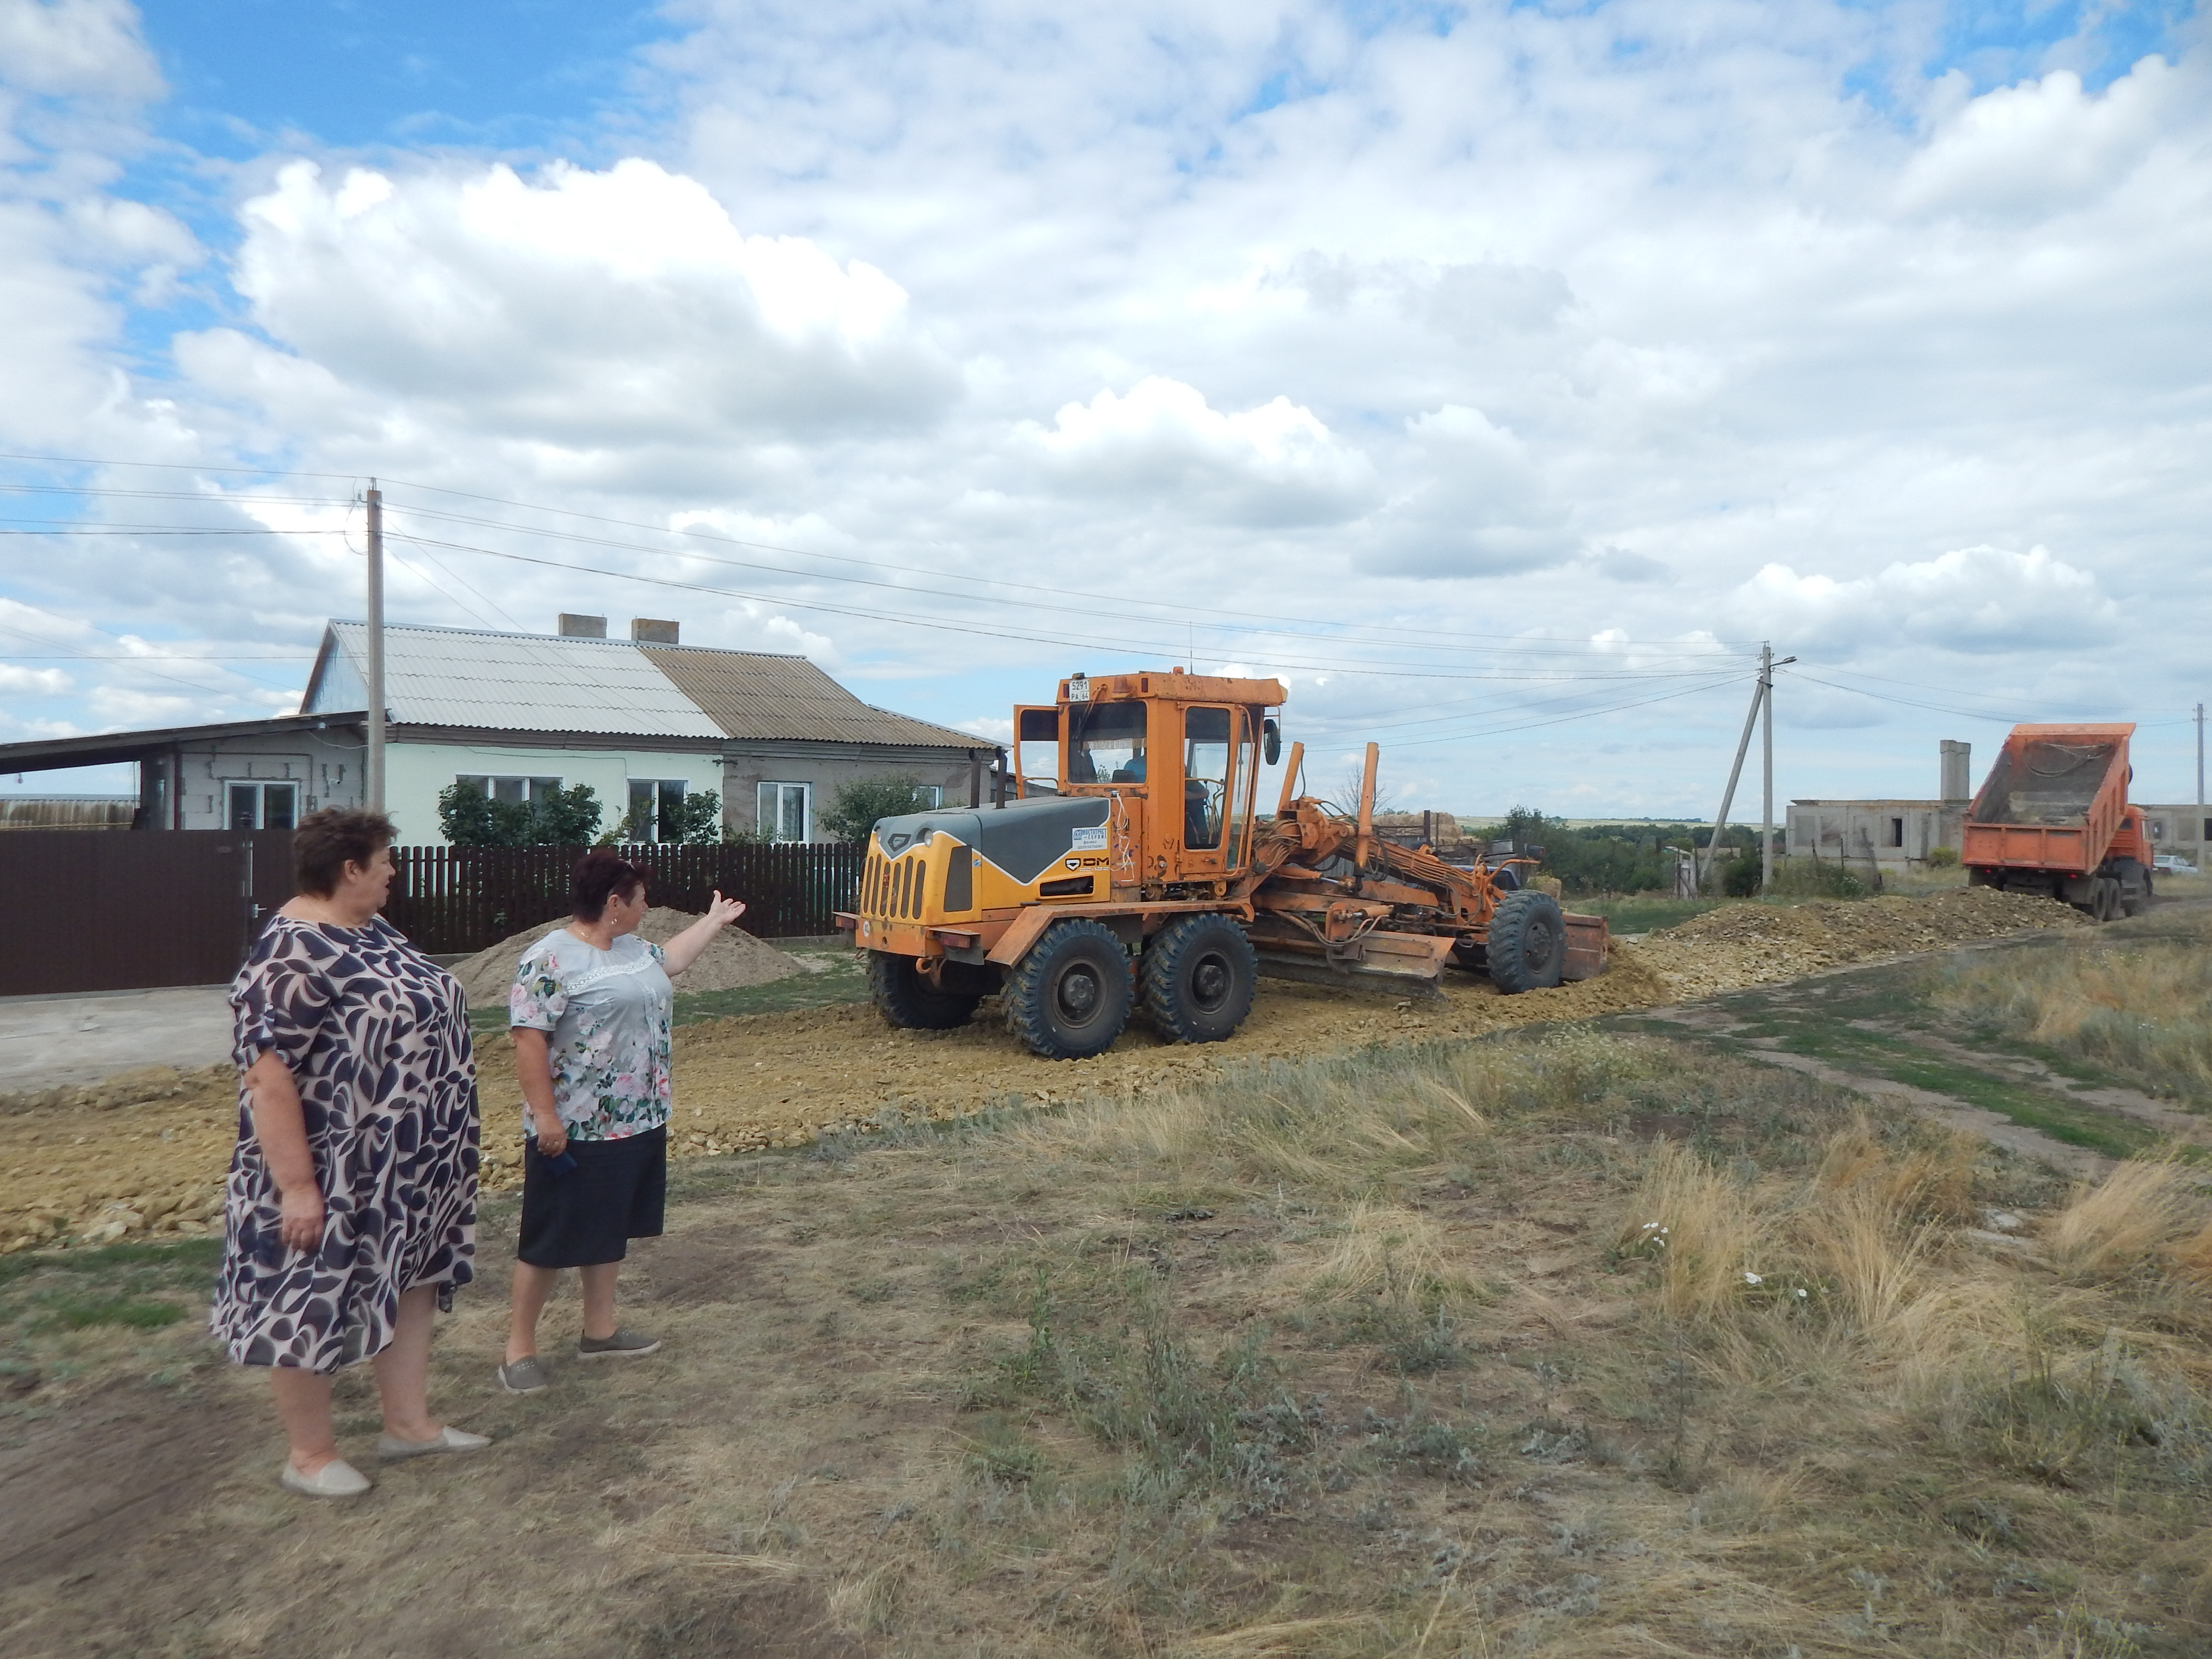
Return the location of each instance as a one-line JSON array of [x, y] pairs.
[[336, 1479], [390, 1448]]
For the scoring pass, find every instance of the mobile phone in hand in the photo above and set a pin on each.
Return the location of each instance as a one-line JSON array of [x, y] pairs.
[[557, 1167]]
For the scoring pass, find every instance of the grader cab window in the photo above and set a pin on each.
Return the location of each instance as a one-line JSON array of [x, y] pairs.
[[1106, 743], [1205, 776]]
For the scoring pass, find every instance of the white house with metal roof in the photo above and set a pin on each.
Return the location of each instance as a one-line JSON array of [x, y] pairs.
[[644, 721]]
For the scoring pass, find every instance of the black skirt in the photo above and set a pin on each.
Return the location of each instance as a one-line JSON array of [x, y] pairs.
[[617, 1192]]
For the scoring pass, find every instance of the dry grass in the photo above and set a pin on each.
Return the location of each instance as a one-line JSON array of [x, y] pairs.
[[2147, 1209], [1380, 1357], [2140, 1009]]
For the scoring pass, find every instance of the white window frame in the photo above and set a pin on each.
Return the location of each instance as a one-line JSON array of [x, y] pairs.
[[935, 793], [771, 818], [487, 785], [260, 788]]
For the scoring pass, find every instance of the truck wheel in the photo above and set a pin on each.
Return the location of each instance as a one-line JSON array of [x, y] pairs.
[[911, 1002], [1528, 944], [1198, 976], [1070, 997]]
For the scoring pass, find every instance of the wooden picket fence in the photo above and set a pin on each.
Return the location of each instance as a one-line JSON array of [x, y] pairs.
[[463, 898]]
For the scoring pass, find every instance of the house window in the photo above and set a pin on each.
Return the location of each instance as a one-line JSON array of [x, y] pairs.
[[2208, 829], [264, 805], [2157, 828], [493, 787], [656, 808], [1896, 838], [929, 795], [785, 810]]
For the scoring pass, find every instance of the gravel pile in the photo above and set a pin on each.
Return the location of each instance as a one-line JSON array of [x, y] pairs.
[[735, 958], [1766, 944]]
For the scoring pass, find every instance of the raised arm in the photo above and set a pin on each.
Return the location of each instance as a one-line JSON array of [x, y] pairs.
[[683, 950]]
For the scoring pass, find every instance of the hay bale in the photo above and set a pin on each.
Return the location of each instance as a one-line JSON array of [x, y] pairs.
[[735, 958]]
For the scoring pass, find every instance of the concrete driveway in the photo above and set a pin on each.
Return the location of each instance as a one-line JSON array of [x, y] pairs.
[[48, 1040]]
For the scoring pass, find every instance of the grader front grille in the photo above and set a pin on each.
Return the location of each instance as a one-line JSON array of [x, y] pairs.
[[892, 890]]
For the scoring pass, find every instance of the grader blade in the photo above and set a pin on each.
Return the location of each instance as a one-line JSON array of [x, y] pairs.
[[1400, 964]]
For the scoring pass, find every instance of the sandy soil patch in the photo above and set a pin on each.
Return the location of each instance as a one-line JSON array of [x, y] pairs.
[[145, 1152]]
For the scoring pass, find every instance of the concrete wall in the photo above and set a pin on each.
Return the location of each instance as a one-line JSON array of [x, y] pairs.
[[325, 765], [2185, 831], [1896, 835], [326, 768], [413, 773], [825, 767]]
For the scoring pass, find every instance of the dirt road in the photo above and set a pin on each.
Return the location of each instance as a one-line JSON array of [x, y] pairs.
[[145, 1152]]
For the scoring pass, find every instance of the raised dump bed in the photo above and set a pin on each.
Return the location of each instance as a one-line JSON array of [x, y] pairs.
[[2055, 801]]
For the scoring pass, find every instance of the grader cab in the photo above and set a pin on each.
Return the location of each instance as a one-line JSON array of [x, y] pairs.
[[1145, 874]]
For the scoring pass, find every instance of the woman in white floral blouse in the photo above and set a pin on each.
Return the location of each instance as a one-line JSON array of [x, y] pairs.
[[590, 1013]]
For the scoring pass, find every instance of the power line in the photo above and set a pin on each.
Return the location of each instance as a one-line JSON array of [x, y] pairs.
[[1250, 621], [1564, 719], [1093, 643]]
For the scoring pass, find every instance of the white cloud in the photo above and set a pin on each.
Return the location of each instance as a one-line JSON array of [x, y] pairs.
[[83, 48], [1440, 342], [584, 309], [1974, 599], [1162, 443], [33, 681], [2048, 145]]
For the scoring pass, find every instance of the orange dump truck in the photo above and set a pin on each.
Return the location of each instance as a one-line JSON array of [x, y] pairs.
[[2053, 818]]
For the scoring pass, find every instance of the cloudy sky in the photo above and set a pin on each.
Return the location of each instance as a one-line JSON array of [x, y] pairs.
[[1498, 375]]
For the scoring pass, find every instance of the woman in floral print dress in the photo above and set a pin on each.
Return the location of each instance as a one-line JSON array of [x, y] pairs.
[[590, 1013], [351, 1211]]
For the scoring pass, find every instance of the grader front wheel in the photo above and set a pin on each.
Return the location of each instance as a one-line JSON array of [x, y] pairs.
[[1198, 976], [910, 1002], [1526, 950], [1069, 999]]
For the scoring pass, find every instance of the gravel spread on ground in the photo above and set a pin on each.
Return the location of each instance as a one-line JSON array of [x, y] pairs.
[[145, 1151], [1743, 945], [735, 958]]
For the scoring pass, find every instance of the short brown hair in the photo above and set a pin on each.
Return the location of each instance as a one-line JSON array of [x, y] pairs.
[[599, 875], [326, 841]]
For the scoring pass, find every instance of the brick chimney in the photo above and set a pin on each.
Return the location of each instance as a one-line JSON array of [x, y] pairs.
[[573, 627], [645, 631]]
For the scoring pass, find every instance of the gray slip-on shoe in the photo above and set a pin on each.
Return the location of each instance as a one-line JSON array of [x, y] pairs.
[[523, 1375], [390, 1448], [623, 1345], [336, 1479]]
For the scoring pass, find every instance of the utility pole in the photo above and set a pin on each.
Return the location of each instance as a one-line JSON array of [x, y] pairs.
[[2200, 767], [1762, 693], [1727, 795], [1766, 667], [372, 776], [1767, 766]]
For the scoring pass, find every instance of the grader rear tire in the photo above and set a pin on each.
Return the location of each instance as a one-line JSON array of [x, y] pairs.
[[1198, 974], [1528, 944], [1070, 997], [910, 1002]]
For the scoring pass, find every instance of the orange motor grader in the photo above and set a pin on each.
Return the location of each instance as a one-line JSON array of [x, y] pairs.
[[1144, 874]]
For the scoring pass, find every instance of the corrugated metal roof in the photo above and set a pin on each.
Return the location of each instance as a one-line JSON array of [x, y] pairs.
[[469, 677], [521, 683], [755, 694]]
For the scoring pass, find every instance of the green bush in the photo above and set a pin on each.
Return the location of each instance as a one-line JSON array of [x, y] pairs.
[[1942, 858], [1810, 878], [857, 806], [564, 817]]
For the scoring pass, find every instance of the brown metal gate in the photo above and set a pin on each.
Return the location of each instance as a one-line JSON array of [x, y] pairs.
[[108, 911]]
